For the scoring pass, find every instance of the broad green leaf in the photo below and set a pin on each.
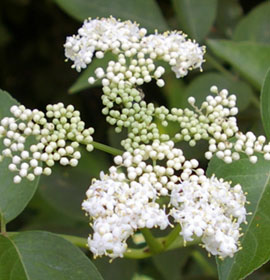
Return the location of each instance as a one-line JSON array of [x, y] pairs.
[[82, 81], [191, 15], [228, 14], [39, 255], [47, 217], [6, 101], [146, 13], [120, 268], [255, 26], [250, 59], [200, 88], [13, 197], [170, 263], [65, 189], [255, 180], [265, 104]]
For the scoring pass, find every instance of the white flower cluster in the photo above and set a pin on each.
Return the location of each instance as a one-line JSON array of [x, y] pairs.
[[129, 198], [118, 209], [136, 52], [210, 209], [136, 63], [56, 140]]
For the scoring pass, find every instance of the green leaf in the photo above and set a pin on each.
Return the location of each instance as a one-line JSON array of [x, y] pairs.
[[146, 13], [65, 189], [170, 263], [200, 88], [141, 277], [191, 15], [228, 15], [255, 26], [6, 101], [119, 269], [249, 58], [255, 180], [38, 255], [13, 197], [82, 81], [265, 103]]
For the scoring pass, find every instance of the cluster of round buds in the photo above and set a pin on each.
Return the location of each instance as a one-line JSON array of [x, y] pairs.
[[222, 126], [212, 210], [247, 144], [128, 198], [58, 134], [136, 115], [214, 120], [136, 52], [167, 166]]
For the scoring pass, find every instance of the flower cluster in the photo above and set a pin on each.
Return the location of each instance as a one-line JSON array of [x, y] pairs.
[[211, 209], [137, 61], [57, 135], [135, 51], [135, 64], [152, 184], [220, 112], [129, 198]]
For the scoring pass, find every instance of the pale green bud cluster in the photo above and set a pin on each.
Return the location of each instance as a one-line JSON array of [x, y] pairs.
[[58, 134], [215, 119]]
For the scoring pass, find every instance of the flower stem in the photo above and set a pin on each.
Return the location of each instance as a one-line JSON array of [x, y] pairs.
[[204, 264], [170, 238], [3, 225], [255, 100], [153, 243], [78, 241], [137, 253], [107, 149]]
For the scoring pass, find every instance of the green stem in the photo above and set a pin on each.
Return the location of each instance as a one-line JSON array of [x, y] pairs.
[[3, 226], [78, 241], [107, 149], [179, 243], [256, 101], [170, 238], [204, 264], [153, 243], [137, 253]]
